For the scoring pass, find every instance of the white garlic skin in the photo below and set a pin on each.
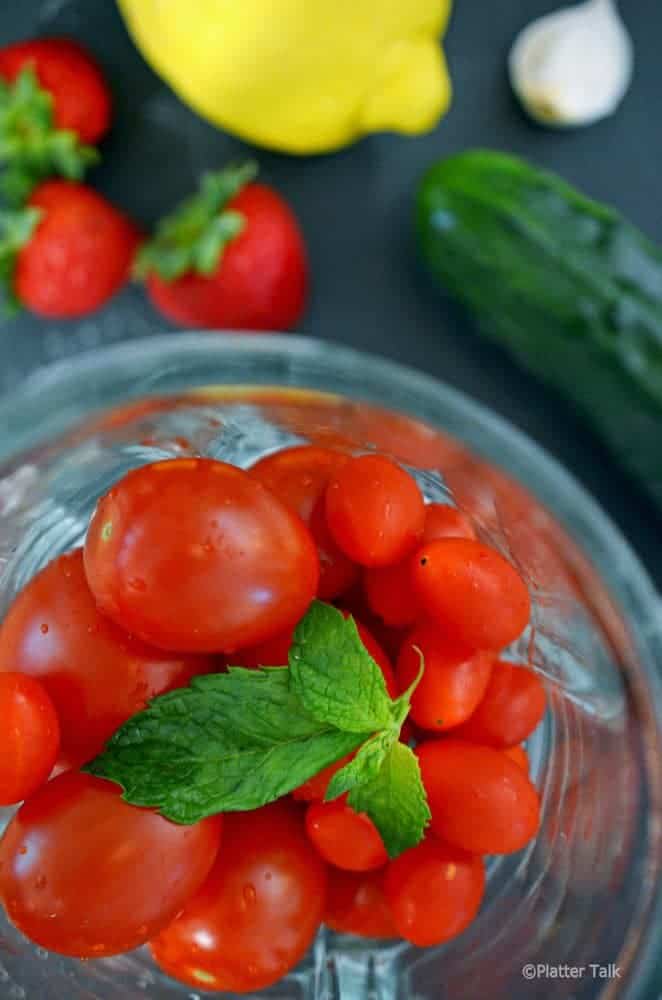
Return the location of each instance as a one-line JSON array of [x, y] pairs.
[[574, 66]]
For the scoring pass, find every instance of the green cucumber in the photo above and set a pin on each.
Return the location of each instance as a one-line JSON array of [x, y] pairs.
[[571, 288]]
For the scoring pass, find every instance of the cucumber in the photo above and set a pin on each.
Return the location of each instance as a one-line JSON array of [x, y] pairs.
[[566, 284]]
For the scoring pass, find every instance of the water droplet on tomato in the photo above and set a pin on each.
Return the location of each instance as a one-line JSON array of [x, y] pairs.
[[249, 894], [23, 850], [251, 969], [137, 583], [43, 628]]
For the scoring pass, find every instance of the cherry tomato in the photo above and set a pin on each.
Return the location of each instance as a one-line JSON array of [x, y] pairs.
[[374, 510], [443, 521], [453, 682], [299, 476], [272, 653], [520, 756], [390, 593], [96, 675], [258, 912], [337, 571], [512, 707], [345, 838], [474, 593], [193, 554], [356, 904], [30, 737], [434, 891], [315, 788], [479, 799], [83, 873]]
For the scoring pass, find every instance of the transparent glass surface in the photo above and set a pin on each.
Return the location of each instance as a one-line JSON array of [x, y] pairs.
[[587, 892]]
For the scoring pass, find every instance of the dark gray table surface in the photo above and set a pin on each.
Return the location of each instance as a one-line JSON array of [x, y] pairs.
[[355, 208]]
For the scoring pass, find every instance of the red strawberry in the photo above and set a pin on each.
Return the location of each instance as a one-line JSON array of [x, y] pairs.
[[54, 106], [231, 257], [68, 251]]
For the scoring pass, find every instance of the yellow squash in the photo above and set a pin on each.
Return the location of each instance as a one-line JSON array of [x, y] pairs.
[[303, 76]]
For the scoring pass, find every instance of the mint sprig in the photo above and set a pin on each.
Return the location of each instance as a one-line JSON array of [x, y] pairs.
[[228, 742], [238, 740]]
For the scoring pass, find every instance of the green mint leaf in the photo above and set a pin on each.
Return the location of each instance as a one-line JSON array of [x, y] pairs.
[[333, 674], [193, 237], [395, 801], [232, 741], [364, 767]]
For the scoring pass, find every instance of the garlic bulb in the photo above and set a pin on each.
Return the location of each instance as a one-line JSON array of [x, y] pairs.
[[574, 66]]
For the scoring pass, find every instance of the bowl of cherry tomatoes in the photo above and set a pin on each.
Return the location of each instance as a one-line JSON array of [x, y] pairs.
[[317, 679]]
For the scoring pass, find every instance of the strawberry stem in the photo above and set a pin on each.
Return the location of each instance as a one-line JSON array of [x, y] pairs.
[[31, 148], [16, 229], [193, 237]]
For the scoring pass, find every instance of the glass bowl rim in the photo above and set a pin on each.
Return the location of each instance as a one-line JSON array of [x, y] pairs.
[[26, 404]]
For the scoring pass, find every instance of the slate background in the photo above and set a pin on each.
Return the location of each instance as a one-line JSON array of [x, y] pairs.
[[355, 208]]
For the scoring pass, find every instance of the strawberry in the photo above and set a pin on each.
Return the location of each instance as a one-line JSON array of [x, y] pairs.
[[67, 251], [230, 257], [55, 106]]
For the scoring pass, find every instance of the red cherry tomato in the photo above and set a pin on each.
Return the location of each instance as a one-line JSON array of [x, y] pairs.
[[454, 680], [474, 593], [443, 521], [258, 912], [272, 653], [193, 554], [298, 476], [479, 799], [315, 788], [96, 675], [434, 891], [512, 707], [390, 593], [520, 756], [345, 838], [30, 737], [374, 510], [356, 904], [83, 873]]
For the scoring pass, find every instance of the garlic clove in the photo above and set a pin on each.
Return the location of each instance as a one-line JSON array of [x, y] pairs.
[[573, 67]]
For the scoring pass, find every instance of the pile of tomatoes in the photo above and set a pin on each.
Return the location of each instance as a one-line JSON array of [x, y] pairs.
[[192, 564]]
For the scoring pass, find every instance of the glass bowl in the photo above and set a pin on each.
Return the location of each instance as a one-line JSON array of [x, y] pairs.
[[577, 914]]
